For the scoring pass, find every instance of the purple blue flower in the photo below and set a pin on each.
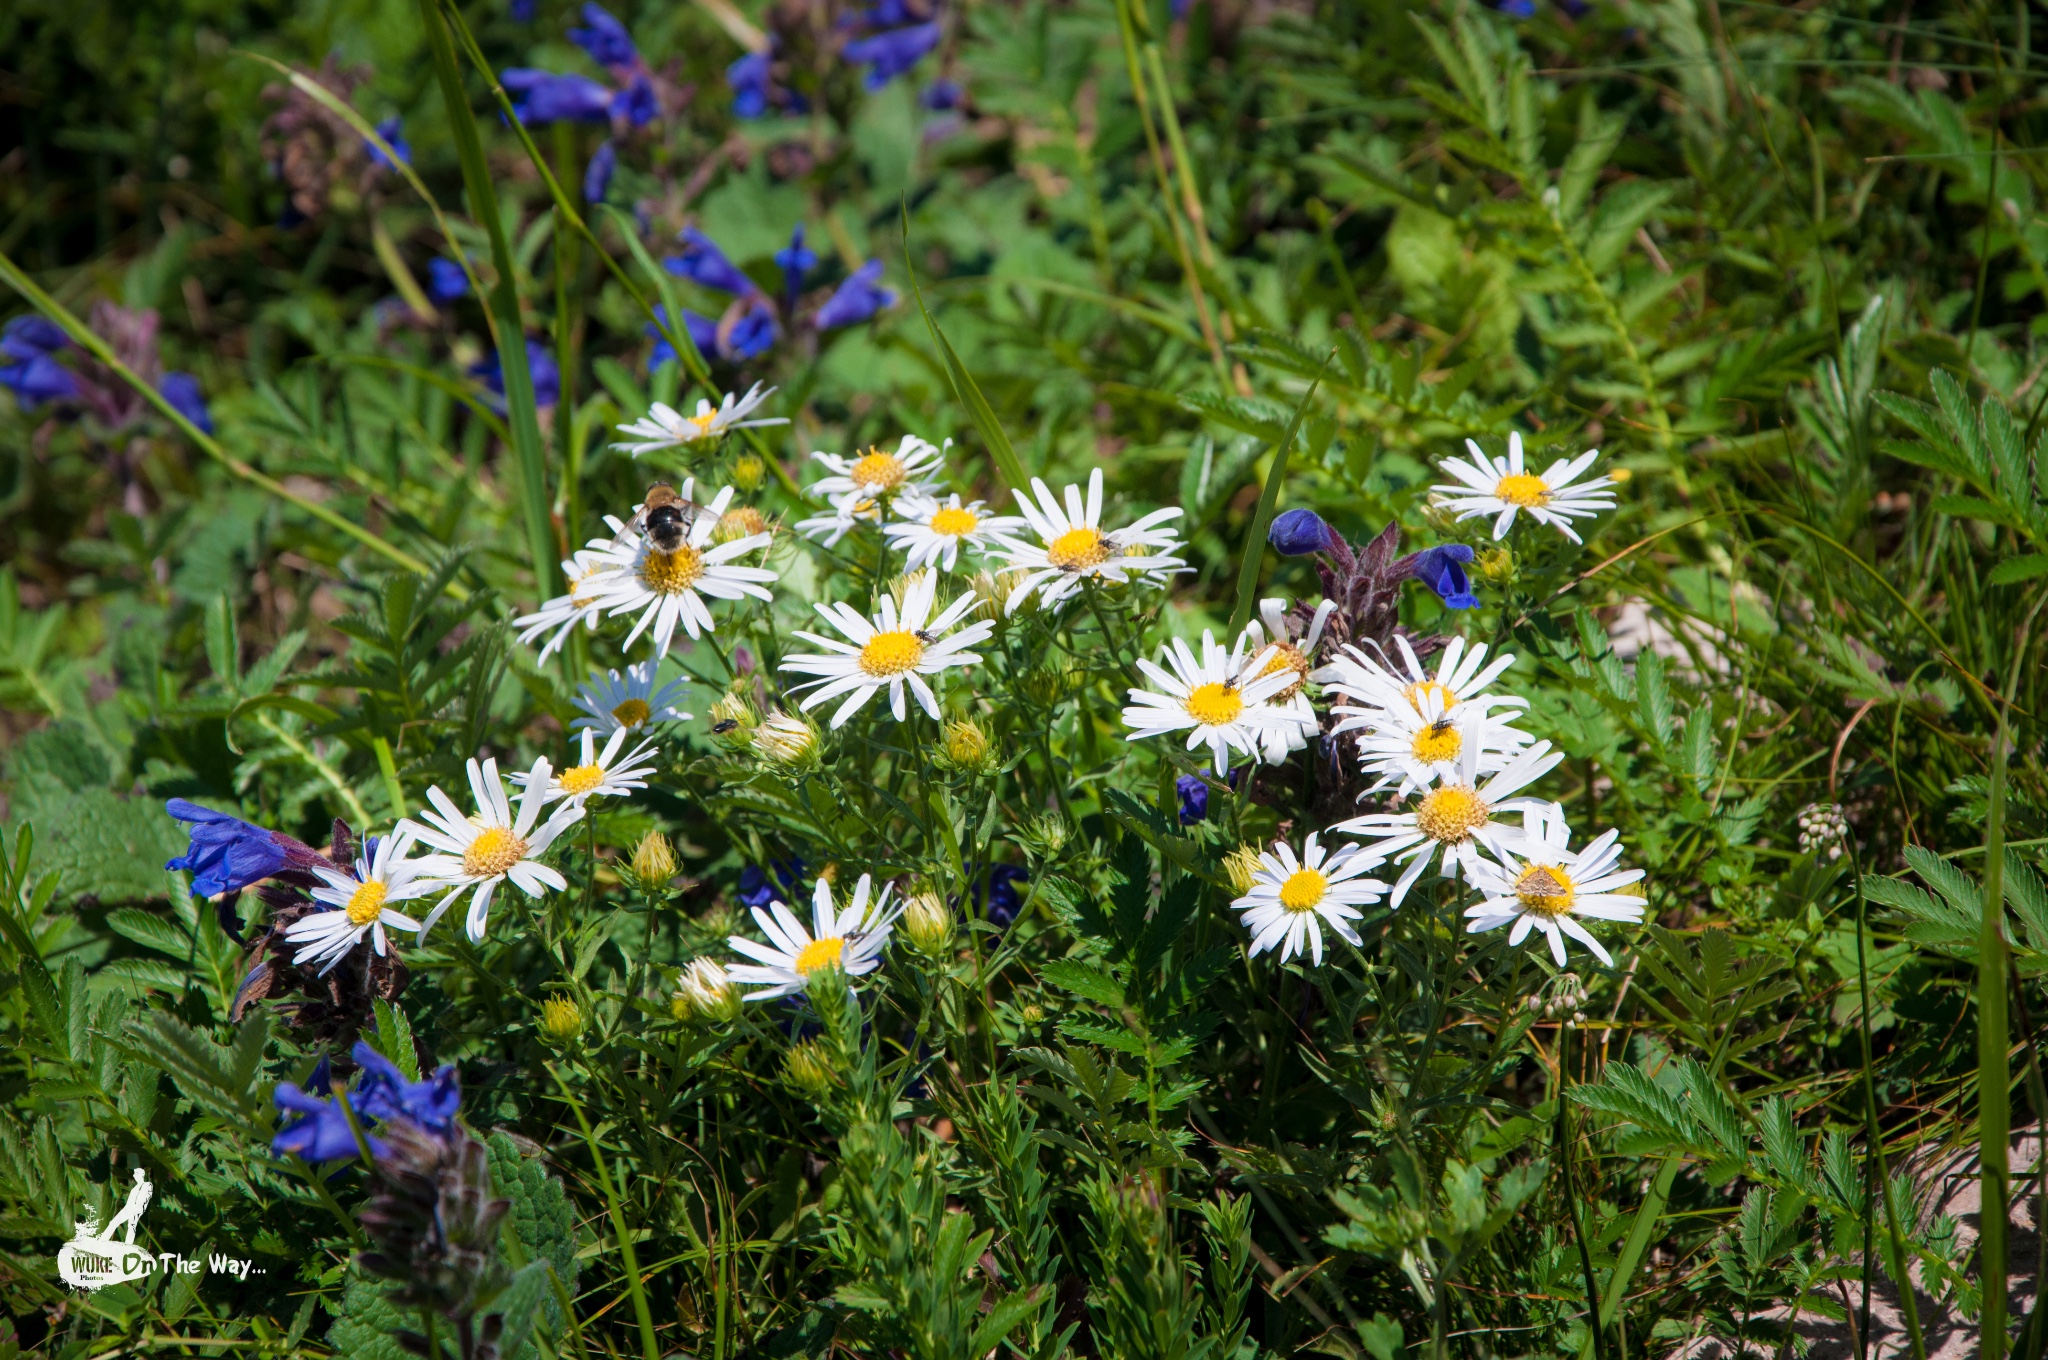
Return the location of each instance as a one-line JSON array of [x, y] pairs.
[[547, 376], [445, 280], [604, 38], [942, 94], [1517, 9], [636, 105], [1442, 569], [1003, 899], [542, 97], [749, 79], [393, 133], [797, 260], [597, 176], [32, 336], [321, 1133], [892, 52], [748, 332], [857, 299], [522, 11], [384, 1093], [758, 890], [701, 261], [227, 854], [1194, 798], [181, 390], [1297, 533], [703, 334], [37, 380]]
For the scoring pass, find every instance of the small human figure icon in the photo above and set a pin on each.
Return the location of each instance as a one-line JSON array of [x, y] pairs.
[[138, 1200]]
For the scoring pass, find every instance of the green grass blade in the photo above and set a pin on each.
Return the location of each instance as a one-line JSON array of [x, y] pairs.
[[1269, 501], [650, 1348], [522, 414], [1008, 466], [1994, 1075]]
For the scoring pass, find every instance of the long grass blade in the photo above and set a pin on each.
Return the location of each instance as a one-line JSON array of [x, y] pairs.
[[1269, 501], [1008, 466], [1994, 1074]]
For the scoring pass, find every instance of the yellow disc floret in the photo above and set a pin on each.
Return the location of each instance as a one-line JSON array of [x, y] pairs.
[[889, 654], [1287, 657], [1303, 889], [824, 953], [1525, 489], [672, 573], [1416, 691], [1214, 704], [580, 779], [632, 712], [366, 903], [954, 521], [876, 471], [1546, 889], [494, 851], [1437, 743], [1078, 550], [1451, 813]]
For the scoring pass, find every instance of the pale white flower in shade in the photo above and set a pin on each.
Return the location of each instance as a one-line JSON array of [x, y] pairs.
[[837, 522], [1542, 884], [851, 939], [1291, 899], [1073, 547], [669, 588], [667, 428], [879, 476], [1204, 698], [932, 532], [361, 902], [1292, 654], [586, 571], [1412, 747], [786, 740], [1452, 822], [478, 852], [613, 703], [1377, 685], [894, 651], [599, 774], [705, 992], [1503, 488]]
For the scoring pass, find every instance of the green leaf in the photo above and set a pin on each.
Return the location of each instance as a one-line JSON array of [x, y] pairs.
[[1084, 981], [1653, 696], [1700, 760], [1269, 501], [2018, 569], [997, 439]]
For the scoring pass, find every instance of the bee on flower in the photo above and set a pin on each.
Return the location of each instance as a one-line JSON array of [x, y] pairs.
[[894, 651], [478, 852], [605, 774], [587, 571], [361, 902], [664, 571], [849, 939], [1295, 656], [1290, 899], [612, 703], [664, 427], [932, 532], [1208, 698], [1542, 884], [1073, 548], [1503, 488]]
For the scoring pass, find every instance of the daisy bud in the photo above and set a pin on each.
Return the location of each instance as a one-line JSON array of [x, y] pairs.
[[929, 923], [900, 587], [1032, 1013], [561, 1024], [1240, 866], [706, 994], [742, 521], [786, 741], [966, 745], [1047, 685], [1043, 835], [654, 861], [748, 471], [1496, 565], [808, 1068], [733, 720]]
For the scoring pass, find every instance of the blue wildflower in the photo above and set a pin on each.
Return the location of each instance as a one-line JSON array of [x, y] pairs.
[[637, 104], [227, 854], [543, 97], [757, 890], [445, 280], [604, 37], [1004, 901], [597, 176], [547, 376], [30, 337], [701, 261], [1194, 799], [942, 94], [796, 260], [522, 11], [1442, 569], [748, 330], [37, 380], [889, 54], [857, 299], [321, 1133], [1297, 533], [181, 390], [748, 77], [393, 133], [384, 1093], [703, 334], [1517, 9]]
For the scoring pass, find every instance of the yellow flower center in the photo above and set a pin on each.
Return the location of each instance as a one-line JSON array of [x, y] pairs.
[[1546, 889], [1214, 704], [1416, 692], [889, 654], [580, 779], [1525, 489], [1303, 889], [743, 522], [876, 471], [1078, 550], [492, 852], [1287, 657], [667, 573], [632, 712], [1451, 813], [818, 954], [366, 902], [1437, 743], [703, 422], [954, 521]]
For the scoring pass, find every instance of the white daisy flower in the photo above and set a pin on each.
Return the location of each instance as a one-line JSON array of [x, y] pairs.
[[895, 650], [612, 704], [587, 570], [668, 588], [667, 428], [879, 476], [604, 774], [1412, 747], [1295, 656], [1073, 547], [1544, 884], [835, 523], [852, 940], [1205, 699], [1452, 821], [1462, 675], [932, 531], [483, 850], [1501, 487], [361, 901], [1291, 900]]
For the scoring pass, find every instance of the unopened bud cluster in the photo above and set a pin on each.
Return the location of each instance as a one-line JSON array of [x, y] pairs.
[[1823, 826]]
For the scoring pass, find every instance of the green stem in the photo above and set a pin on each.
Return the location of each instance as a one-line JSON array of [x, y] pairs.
[[1269, 501], [1571, 1195], [1994, 1075], [650, 1349]]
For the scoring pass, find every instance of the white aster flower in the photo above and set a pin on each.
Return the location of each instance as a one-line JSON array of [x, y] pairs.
[[587, 570], [614, 704], [893, 651], [1291, 899], [1451, 822], [1205, 699], [852, 940], [1543, 884], [1376, 686], [668, 588], [483, 850], [835, 523], [1412, 747], [878, 476], [1501, 487], [667, 428], [1295, 656], [1073, 547], [602, 774], [361, 901], [932, 531]]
